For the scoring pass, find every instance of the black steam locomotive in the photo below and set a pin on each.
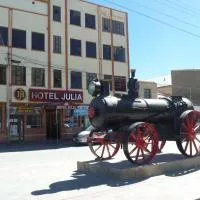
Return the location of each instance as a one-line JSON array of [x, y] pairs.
[[140, 126]]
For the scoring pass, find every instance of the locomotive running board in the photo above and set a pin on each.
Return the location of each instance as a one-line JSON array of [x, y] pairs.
[[176, 167]]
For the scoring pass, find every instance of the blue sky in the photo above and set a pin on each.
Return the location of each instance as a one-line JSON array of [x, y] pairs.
[[155, 48]]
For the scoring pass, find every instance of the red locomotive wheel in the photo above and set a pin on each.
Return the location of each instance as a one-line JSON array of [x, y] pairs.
[[100, 147], [141, 144], [189, 143]]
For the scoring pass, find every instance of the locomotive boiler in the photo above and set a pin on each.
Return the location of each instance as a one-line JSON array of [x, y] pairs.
[[140, 126]]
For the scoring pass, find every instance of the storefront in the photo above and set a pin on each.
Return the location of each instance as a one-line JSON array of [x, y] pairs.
[[58, 118]]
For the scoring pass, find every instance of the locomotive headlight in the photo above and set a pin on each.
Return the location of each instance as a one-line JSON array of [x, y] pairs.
[[94, 88]]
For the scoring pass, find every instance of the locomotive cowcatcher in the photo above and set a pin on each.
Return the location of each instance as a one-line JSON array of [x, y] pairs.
[[140, 126]]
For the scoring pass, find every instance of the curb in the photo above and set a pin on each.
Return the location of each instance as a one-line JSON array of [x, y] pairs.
[[140, 172]]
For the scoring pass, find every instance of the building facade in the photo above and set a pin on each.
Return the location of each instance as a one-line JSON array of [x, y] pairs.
[[186, 83], [147, 90], [49, 51]]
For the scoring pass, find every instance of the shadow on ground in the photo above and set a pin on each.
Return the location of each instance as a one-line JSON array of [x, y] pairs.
[[17, 147], [81, 180]]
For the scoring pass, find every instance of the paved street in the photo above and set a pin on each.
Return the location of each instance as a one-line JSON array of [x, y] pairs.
[[49, 172]]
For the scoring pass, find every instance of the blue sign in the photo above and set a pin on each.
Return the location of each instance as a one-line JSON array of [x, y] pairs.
[[80, 112]]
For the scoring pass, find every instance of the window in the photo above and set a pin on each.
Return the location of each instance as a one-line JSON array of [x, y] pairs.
[[1, 120], [38, 42], [118, 27], [147, 93], [106, 52], [57, 78], [120, 83], [76, 80], [3, 36], [90, 21], [56, 44], [75, 47], [106, 25], [90, 77], [33, 121], [119, 54], [18, 75], [19, 38], [75, 17], [38, 77], [91, 49], [2, 74], [56, 13]]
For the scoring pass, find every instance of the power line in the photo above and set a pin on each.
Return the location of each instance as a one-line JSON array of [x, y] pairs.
[[154, 19], [167, 15], [168, 4]]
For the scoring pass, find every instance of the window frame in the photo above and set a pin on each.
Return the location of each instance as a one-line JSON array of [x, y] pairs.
[[90, 21], [56, 17], [3, 36], [41, 37], [55, 85], [57, 44], [106, 25], [117, 56], [91, 53], [107, 55], [75, 17], [18, 71], [1, 117], [36, 74], [147, 93], [18, 38], [118, 27], [75, 83], [3, 75], [32, 125], [75, 47]]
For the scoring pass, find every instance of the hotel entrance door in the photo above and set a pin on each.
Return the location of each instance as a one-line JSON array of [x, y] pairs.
[[53, 124]]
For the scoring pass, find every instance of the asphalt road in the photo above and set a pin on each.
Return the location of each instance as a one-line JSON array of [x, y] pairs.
[[38, 172]]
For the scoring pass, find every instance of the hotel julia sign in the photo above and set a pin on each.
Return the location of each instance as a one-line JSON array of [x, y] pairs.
[[38, 95]]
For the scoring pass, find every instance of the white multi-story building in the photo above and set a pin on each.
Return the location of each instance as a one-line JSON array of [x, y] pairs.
[[49, 51]]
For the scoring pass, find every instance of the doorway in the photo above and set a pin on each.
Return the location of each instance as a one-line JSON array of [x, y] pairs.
[[16, 128], [53, 124]]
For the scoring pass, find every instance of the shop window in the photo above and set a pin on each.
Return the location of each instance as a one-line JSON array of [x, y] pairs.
[[118, 27], [106, 52], [75, 46], [147, 93], [75, 17], [33, 121], [38, 77], [119, 54], [2, 74], [38, 41], [106, 24], [1, 121], [90, 21], [56, 44], [76, 80], [57, 78], [57, 13], [91, 49], [18, 75], [19, 38], [3, 36], [90, 77]]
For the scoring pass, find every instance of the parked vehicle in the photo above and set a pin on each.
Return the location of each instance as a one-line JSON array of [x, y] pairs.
[[81, 137]]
